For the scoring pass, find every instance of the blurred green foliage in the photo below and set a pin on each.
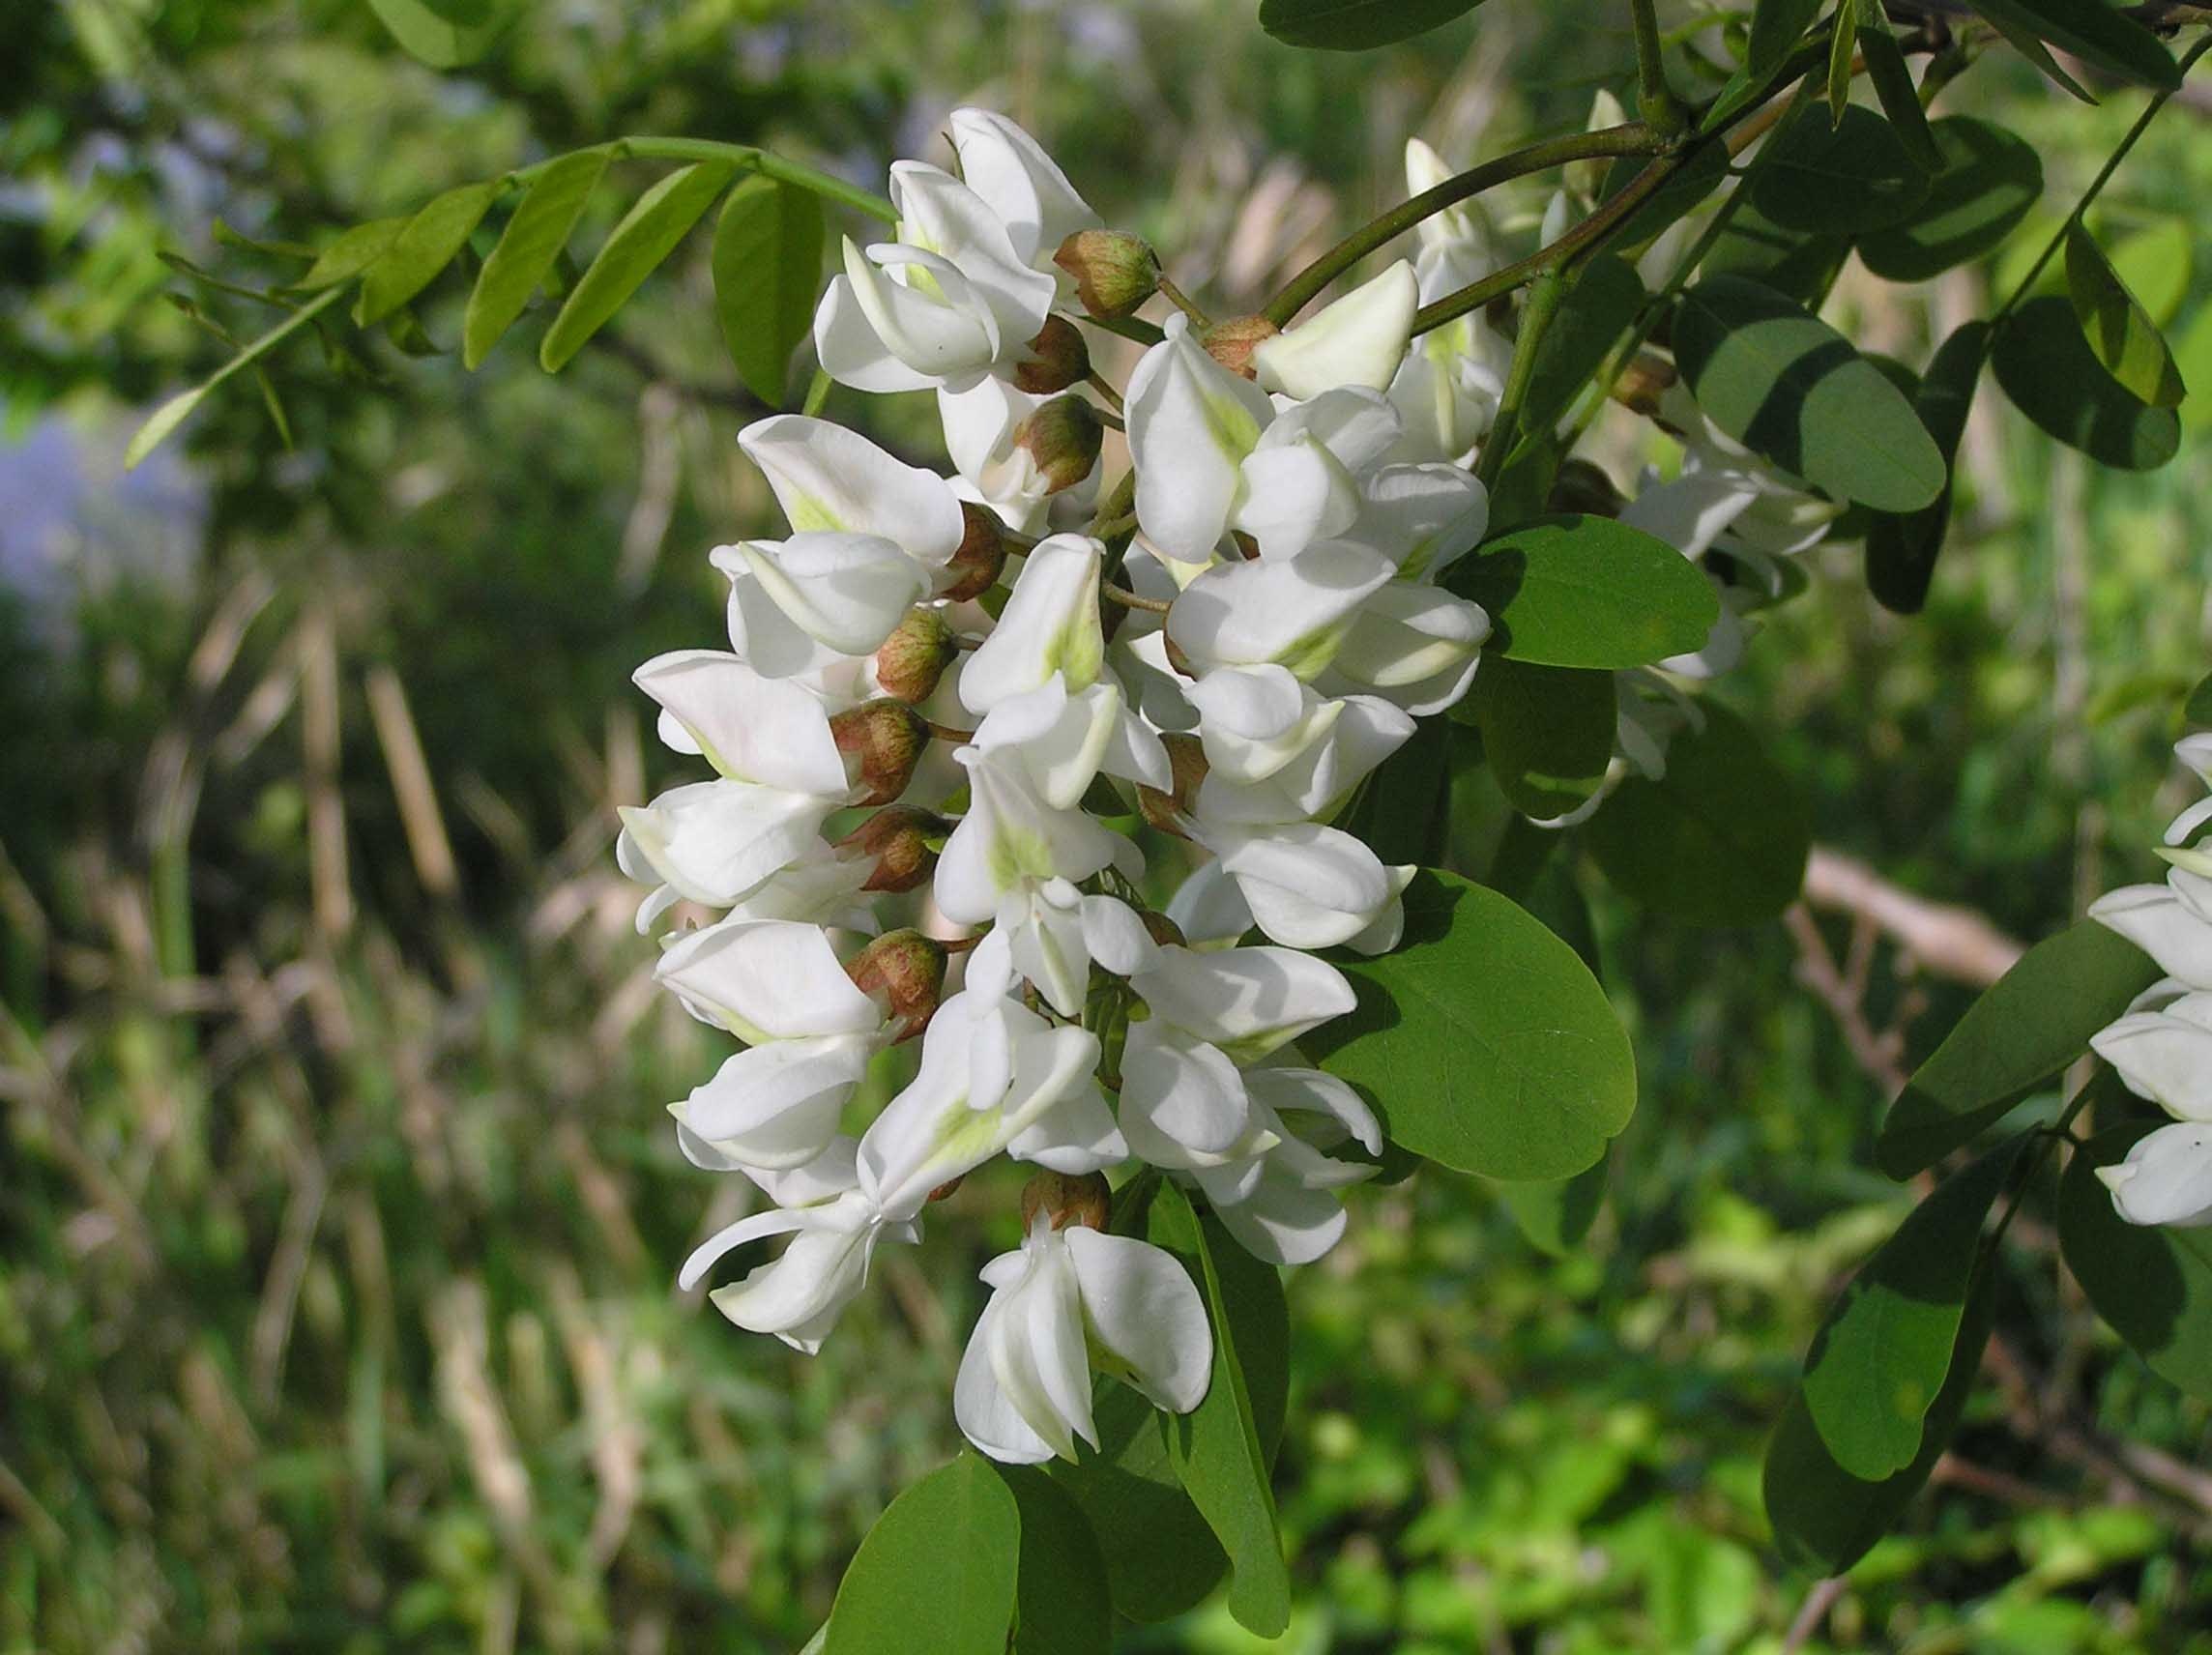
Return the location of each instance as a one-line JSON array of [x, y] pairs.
[[339, 1214]]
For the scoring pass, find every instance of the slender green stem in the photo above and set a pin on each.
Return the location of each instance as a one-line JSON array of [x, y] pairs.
[[1135, 327], [2026, 283], [1632, 138], [1654, 98], [1181, 302], [1536, 316], [1106, 391]]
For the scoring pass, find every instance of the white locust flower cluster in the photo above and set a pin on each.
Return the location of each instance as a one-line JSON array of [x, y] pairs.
[[2163, 1047], [945, 706]]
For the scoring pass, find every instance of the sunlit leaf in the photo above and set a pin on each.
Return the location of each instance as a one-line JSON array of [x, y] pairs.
[[1789, 387], [1989, 180], [425, 246], [2044, 361], [528, 247], [1902, 548], [2036, 1020], [937, 1574], [647, 234], [1586, 591], [1483, 1039], [768, 273], [2118, 329]]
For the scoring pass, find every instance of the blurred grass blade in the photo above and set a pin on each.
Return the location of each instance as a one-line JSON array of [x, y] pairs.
[[174, 412], [648, 234], [528, 247]]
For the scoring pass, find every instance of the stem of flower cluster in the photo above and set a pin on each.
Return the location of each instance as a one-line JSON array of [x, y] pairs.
[[1128, 599], [1654, 98], [1181, 302], [746, 156], [1634, 138], [1536, 316]]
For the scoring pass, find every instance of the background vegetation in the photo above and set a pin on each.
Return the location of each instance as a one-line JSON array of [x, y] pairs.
[[339, 1211]]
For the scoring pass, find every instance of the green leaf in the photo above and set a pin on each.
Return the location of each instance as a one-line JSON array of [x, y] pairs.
[[1704, 171], [937, 1574], [1794, 264], [1901, 549], [648, 234], [1586, 591], [1483, 1039], [1161, 1557], [1720, 840], [1355, 25], [2092, 31], [1546, 732], [768, 271], [1880, 1357], [1899, 99], [2153, 1283], [2118, 329], [1597, 310], [1826, 1519], [1988, 181], [2198, 710], [2156, 264], [1062, 1605], [528, 247], [1555, 1214], [424, 247], [1777, 27], [2044, 361], [2033, 1023], [1215, 1448], [1846, 179], [173, 412], [1842, 35], [445, 34], [1789, 387], [353, 252]]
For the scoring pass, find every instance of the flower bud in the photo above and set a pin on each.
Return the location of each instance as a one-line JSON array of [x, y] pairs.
[[1583, 487], [974, 567], [1642, 383], [1057, 358], [1063, 440], [1114, 272], [1232, 343], [906, 971], [915, 656], [882, 742], [1085, 1199], [897, 839], [1186, 764]]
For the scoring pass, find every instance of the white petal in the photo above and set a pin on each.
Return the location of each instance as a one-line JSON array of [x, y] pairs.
[[1049, 624], [829, 478], [1309, 886], [1295, 494], [1290, 611], [1286, 1223], [1423, 517], [1357, 340], [1315, 1093], [767, 979], [2166, 1177], [1207, 908], [850, 349], [1018, 182], [748, 727], [2154, 918], [1076, 1135], [1183, 1101], [713, 841], [940, 215], [846, 591], [1145, 1313], [776, 1106], [2162, 1058], [985, 1413], [1246, 1001], [1689, 512], [1190, 425], [1010, 835], [948, 336]]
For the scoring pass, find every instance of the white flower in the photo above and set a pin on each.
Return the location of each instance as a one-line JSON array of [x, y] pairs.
[[995, 1077], [1308, 886], [809, 1034], [1292, 612], [1191, 425], [1184, 1104], [949, 302], [1067, 1297], [2165, 1056], [1009, 170], [799, 1295], [2195, 751], [1277, 751], [1414, 645], [1050, 625], [2166, 1177], [1283, 1205], [1011, 838], [715, 842], [2164, 924], [1359, 341], [830, 479]]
